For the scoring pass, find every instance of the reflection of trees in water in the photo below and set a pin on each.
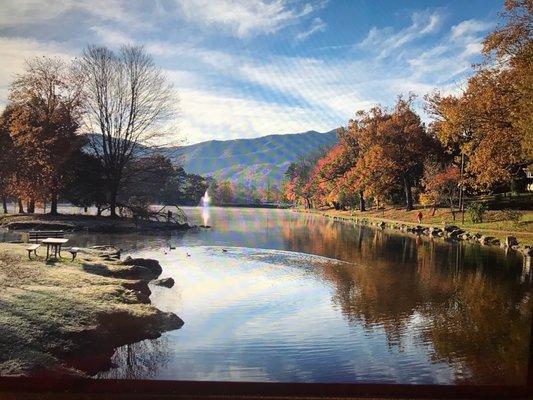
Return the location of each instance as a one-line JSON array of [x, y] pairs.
[[470, 302], [139, 360]]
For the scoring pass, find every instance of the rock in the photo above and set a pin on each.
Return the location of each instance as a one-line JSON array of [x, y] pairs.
[[122, 272], [456, 233], [527, 251], [511, 241], [381, 224], [487, 240], [166, 282], [148, 263], [433, 231], [450, 228]]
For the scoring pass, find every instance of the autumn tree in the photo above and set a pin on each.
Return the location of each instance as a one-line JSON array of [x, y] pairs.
[[393, 146], [127, 101], [43, 124], [491, 122], [441, 185], [7, 158]]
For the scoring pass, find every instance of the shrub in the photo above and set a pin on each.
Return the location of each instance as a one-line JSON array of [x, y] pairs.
[[476, 211], [513, 216]]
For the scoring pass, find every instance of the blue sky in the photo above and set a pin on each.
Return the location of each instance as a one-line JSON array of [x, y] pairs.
[[247, 68]]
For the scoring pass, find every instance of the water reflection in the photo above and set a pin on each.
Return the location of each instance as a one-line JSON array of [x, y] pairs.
[[140, 360], [398, 309]]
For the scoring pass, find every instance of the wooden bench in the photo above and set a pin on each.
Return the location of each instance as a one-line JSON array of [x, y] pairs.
[[37, 235], [32, 247]]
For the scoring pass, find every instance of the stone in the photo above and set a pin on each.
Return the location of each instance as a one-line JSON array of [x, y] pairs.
[[450, 228], [166, 282], [456, 233], [465, 236], [511, 241], [148, 263], [487, 240], [434, 231]]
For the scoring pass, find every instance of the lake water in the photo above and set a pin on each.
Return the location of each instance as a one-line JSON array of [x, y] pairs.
[[273, 295]]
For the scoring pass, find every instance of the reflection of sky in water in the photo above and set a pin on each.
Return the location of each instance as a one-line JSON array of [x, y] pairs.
[[393, 309], [249, 316]]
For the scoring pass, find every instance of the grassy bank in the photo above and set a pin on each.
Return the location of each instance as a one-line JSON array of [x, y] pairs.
[[66, 317], [495, 223], [89, 223]]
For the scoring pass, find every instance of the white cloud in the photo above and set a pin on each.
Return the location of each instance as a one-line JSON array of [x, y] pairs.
[[19, 12], [245, 17], [469, 27], [316, 26], [384, 40], [217, 115], [13, 54], [111, 37]]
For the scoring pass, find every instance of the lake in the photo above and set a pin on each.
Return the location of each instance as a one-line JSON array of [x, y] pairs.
[[274, 295]]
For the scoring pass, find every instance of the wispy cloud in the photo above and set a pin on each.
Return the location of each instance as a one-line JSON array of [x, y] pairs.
[[384, 41], [245, 17], [317, 25]]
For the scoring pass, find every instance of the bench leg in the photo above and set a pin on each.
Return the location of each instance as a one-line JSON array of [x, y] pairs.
[[29, 254], [74, 256]]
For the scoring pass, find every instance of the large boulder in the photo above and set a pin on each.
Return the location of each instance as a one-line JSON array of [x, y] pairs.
[[148, 263], [166, 282]]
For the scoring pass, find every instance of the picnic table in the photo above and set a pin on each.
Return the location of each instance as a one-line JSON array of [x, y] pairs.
[[55, 244]]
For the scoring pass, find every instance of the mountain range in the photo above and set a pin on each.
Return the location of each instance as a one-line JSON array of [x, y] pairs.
[[258, 161]]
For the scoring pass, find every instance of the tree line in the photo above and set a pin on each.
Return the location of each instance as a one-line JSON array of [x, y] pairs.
[[86, 130], [225, 192], [477, 141]]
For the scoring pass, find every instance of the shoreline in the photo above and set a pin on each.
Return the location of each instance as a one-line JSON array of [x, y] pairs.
[[86, 223], [66, 318], [502, 239]]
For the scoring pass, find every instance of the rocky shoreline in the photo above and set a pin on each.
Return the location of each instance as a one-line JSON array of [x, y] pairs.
[[448, 231], [99, 303]]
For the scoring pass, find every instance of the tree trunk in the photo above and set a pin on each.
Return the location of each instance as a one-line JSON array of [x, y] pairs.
[[53, 204], [362, 202], [408, 193], [31, 206], [4, 204], [113, 204], [98, 211], [21, 206]]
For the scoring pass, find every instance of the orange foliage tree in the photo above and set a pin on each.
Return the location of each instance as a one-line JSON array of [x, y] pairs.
[[392, 146], [491, 123], [42, 120]]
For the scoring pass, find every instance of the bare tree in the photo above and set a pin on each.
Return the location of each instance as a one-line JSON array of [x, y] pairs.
[[127, 102]]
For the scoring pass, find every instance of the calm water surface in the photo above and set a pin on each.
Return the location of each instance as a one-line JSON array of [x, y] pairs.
[[272, 295]]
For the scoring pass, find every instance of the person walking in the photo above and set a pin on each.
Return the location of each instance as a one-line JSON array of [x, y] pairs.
[[419, 216]]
